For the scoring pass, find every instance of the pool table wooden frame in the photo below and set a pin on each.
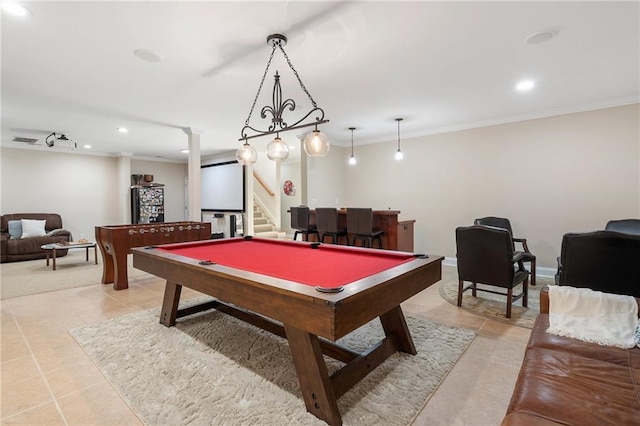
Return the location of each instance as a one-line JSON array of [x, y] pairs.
[[311, 321]]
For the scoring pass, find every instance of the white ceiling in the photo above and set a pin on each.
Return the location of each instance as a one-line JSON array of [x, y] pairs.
[[442, 66]]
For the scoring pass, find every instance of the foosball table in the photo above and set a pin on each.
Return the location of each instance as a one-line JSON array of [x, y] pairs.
[[116, 242]]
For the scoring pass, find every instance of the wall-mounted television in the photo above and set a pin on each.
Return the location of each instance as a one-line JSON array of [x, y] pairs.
[[222, 187]]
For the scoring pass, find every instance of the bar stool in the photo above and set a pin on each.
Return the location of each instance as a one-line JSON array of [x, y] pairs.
[[360, 225], [327, 220], [300, 222]]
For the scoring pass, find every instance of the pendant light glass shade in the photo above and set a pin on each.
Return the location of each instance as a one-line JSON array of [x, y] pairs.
[[277, 150], [316, 144], [399, 155], [246, 155]]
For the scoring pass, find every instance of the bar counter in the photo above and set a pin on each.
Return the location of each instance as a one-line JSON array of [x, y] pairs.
[[387, 220]]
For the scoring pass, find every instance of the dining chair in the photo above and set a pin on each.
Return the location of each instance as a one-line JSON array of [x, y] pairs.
[[300, 223], [360, 225], [327, 222]]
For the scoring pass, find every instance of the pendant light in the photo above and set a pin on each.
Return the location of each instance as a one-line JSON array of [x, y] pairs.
[[399, 155], [316, 144], [246, 155], [277, 150], [352, 159]]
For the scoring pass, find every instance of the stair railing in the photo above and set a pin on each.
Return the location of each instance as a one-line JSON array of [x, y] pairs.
[[263, 184]]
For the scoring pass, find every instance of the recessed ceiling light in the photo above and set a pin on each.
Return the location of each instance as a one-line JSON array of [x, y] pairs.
[[539, 37], [147, 55], [122, 129], [88, 146], [16, 9], [525, 85], [184, 151]]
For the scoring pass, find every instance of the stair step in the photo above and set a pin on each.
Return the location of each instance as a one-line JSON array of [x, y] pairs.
[[263, 228], [260, 220], [270, 234]]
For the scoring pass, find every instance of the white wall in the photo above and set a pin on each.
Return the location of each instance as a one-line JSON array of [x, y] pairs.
[[326, 178], [78, 187], [553, 175], [550, 176], [81, 188], [172, 175], [289, 171]]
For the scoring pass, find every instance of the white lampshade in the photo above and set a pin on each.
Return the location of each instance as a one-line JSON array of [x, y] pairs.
[[399, 155], [246, 155], [316, 144], [277, 150], [352, 160]]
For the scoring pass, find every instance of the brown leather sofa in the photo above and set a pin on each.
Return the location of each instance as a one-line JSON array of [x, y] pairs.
[[569, 382], [14, 250]]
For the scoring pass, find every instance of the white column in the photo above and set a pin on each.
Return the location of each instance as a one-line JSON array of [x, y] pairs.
[[278, 208], [124, 188], [247, 223], [304, 161], [193, 172]]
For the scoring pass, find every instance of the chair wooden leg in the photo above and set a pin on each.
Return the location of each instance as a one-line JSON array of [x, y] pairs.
[[460, 284], [295, 235], [533, 272], [525, 292], [509, 301], [474, 290]]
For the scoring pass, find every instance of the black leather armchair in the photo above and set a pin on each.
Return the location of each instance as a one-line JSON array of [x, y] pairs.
[[602, 260], [504, 223], [623, 226], [486, 256], [626, 226]]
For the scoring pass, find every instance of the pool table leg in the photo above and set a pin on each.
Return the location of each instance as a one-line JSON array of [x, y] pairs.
[[316, 386], [170, 304], [394, 324]]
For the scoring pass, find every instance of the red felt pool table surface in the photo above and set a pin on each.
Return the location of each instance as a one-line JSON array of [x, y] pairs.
[[324, 266]]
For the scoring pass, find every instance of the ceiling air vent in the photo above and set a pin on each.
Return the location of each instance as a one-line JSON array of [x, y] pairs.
[[30, 141]]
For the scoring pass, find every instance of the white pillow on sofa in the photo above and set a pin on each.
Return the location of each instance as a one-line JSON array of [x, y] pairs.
[[33, 228]]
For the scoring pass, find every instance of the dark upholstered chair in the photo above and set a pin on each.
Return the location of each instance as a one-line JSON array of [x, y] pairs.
[[602, 260], [300, 223], [486, 256], [626, 226], [360, 225], [527, 256], [327, 221]]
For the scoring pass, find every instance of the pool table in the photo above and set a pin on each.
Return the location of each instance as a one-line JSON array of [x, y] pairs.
[[310, 293]]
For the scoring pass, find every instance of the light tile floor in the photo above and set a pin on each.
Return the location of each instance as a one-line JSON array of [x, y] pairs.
[[47, 379]]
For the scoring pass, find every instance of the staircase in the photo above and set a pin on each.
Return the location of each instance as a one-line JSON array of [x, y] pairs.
[[262, 226]]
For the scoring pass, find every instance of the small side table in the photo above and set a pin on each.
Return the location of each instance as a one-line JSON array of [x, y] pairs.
[[50, 250]]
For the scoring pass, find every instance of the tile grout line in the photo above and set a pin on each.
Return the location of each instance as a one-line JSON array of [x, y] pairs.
[[46, 382]]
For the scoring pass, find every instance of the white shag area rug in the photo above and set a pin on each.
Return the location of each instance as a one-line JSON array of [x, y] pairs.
[[214, 369]]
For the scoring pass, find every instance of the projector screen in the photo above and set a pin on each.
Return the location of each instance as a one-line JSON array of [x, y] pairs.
[[222, 187]]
